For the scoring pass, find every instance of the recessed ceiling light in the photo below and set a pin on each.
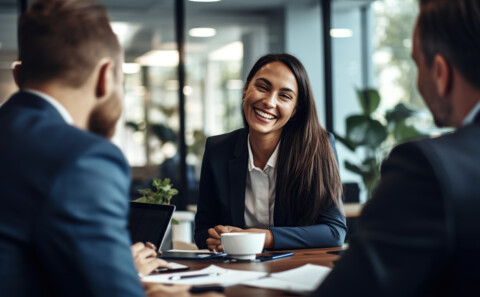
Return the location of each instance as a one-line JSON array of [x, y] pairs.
[[341, 33], [124, 31], [159, 58], [230, 52], [131, 68], [202, 32], [205, 0]]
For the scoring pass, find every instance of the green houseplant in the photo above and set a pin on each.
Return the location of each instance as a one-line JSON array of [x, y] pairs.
[[371, 135], [161, 192]]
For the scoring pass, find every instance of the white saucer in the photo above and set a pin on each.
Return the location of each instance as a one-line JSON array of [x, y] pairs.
[[243, 257]]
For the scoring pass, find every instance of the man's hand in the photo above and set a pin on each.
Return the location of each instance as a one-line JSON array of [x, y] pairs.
[[145, 258]]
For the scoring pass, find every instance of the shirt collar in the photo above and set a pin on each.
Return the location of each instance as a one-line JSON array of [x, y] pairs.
[[59, 107], [272, 161], [471, 115]]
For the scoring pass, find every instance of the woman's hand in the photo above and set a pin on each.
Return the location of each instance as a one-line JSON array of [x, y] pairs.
[[145, 258], [214, 243], [269, 242]]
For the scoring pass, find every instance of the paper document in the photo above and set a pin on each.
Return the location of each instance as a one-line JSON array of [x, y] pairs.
[[207, 276], [173, 265], [204, 251], [303, 279]]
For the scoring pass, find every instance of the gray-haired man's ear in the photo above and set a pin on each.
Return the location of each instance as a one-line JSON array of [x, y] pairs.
[[17, 68]]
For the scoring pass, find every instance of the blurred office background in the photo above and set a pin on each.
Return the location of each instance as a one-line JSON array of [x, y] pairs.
[[162, 131]]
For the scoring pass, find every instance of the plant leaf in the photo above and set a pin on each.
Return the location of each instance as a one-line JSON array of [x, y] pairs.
[[375, 134], [354, 168], [357, 126], [349, 144], [398, 113], [369, 100], [362, 130], [145, 192], [403, 132], [132, 125]]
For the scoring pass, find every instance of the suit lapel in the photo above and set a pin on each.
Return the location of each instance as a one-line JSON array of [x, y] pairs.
[[237, 176], [477, 118]]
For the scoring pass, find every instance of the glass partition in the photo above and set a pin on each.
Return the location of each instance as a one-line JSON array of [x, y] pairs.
[[371, 44], [8, 50]]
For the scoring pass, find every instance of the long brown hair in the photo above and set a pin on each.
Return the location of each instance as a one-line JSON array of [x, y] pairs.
[[308, 179]]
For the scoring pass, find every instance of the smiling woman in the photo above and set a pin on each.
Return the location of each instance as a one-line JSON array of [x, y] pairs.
[[278, 175], [269, 102]]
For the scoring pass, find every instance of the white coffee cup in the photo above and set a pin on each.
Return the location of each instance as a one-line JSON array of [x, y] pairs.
[[243, 245]]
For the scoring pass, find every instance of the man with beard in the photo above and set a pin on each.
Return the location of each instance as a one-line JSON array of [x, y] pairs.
[[419, 235], [64, 191]]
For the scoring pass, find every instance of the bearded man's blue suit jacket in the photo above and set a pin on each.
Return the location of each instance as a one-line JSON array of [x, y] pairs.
[[64, 206]]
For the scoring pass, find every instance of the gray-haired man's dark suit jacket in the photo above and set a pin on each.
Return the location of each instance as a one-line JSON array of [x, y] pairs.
[[419, 235]]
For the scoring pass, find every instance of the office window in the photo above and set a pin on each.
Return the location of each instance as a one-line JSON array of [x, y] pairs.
[[217, 60], [147, 131], [395, 70], [371, 44], [8, 49], [223, 40], [352, 66]]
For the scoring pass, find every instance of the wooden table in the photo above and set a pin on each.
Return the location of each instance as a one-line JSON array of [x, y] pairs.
[[301, 257], [353, 210]]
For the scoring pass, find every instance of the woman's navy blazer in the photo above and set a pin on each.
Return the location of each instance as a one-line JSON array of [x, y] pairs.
[[222, 199]]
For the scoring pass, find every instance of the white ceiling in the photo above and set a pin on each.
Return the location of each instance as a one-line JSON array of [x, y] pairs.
[[152, 21]]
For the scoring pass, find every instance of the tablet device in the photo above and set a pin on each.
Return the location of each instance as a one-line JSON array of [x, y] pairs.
[[341, 252], [190, 256], [148, 222], [273, 256]]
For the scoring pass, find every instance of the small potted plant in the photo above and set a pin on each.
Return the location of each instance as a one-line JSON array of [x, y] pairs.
[[161, 192]]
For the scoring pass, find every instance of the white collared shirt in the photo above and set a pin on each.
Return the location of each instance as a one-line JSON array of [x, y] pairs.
[[471, 115], [59, 107], [260, 191]]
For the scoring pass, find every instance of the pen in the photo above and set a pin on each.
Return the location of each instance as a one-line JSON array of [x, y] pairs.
[[203, 289], [179, 277]]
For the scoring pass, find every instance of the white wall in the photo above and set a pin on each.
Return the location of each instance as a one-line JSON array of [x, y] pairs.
[[303, 23]]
